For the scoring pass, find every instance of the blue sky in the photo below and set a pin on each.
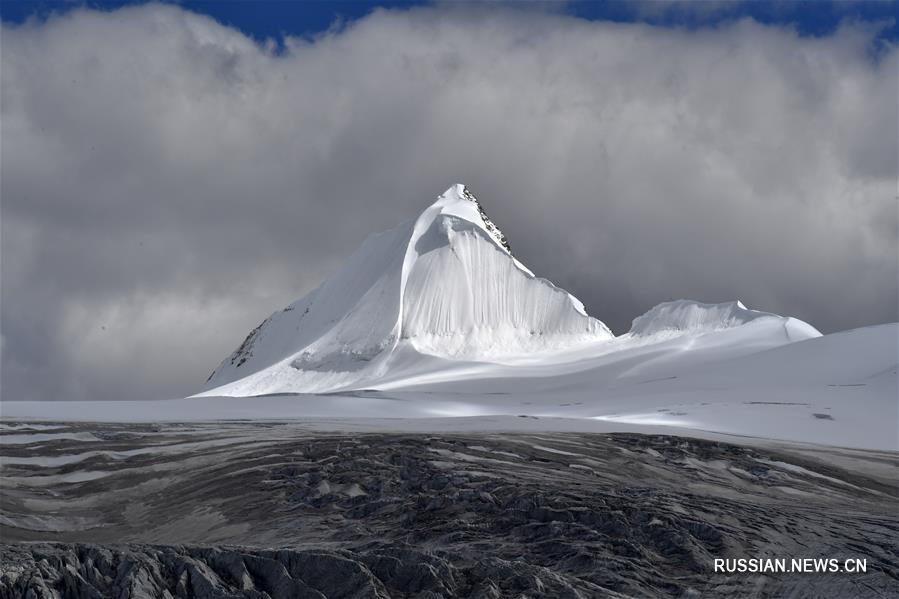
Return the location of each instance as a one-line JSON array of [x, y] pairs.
[[264, 19]]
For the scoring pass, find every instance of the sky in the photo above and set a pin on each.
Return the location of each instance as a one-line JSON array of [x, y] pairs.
[[170, 174]]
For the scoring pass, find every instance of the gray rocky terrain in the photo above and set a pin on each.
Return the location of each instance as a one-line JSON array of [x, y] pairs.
[[279, 510]]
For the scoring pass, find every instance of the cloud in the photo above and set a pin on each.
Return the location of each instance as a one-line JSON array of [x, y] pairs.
[[167, 182]]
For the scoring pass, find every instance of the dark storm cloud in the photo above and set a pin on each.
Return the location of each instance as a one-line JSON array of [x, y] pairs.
[[167, 182]]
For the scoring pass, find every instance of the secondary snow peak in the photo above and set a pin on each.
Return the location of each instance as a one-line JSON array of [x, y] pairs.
[[689, 316]]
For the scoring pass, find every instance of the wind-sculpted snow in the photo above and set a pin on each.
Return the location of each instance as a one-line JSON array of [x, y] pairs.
[[465, 298]]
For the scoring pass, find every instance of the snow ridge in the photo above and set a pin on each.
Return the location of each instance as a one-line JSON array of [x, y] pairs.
[[488, 224]]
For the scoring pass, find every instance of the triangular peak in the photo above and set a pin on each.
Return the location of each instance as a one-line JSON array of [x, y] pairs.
[[443, 287], [459, 201]]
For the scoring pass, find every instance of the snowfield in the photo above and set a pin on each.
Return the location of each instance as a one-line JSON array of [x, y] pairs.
[[435, 325]]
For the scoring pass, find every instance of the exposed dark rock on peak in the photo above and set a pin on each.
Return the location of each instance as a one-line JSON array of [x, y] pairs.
[[491, 228]]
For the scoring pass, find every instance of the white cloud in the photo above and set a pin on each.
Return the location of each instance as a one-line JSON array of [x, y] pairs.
[[163, 172]]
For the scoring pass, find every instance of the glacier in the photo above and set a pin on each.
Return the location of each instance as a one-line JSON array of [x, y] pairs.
[[435, 325]]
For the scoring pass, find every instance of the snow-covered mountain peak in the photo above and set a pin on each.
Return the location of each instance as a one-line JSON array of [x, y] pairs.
[[459, 201], [440, 294], [456, 191], [442, 286]]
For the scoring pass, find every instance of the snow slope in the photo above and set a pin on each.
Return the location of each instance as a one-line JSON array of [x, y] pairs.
[[837, 390]]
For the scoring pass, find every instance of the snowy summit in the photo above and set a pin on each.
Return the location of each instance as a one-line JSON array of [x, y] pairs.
[[444, 285]]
